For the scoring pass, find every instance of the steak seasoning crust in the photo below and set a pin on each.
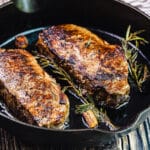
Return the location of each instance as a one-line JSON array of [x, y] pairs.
[[99, 68], [29, 92]]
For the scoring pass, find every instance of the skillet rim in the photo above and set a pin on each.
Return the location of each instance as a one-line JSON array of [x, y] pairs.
[[126, 129]]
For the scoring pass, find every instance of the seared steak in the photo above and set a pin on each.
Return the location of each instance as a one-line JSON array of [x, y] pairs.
[[98, 67], [30, 93]]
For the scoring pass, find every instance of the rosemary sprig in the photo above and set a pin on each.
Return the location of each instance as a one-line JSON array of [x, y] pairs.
[[137, 71], [63, 76], [87, 108]]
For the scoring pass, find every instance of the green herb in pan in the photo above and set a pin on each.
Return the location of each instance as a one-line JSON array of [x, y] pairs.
[[137, 71], [90, 112]]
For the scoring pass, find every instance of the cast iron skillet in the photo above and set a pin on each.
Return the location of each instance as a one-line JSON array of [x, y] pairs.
[[107, 15]]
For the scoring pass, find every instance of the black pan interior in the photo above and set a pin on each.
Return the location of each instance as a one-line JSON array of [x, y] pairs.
[[122, 116]]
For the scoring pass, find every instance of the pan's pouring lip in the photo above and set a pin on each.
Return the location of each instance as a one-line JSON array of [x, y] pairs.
[[123, 130]]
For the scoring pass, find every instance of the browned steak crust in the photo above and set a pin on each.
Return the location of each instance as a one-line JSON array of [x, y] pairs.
[[30, 93], [98, 67]]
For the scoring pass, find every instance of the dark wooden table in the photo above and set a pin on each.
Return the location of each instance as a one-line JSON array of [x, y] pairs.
[[9, 142]]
